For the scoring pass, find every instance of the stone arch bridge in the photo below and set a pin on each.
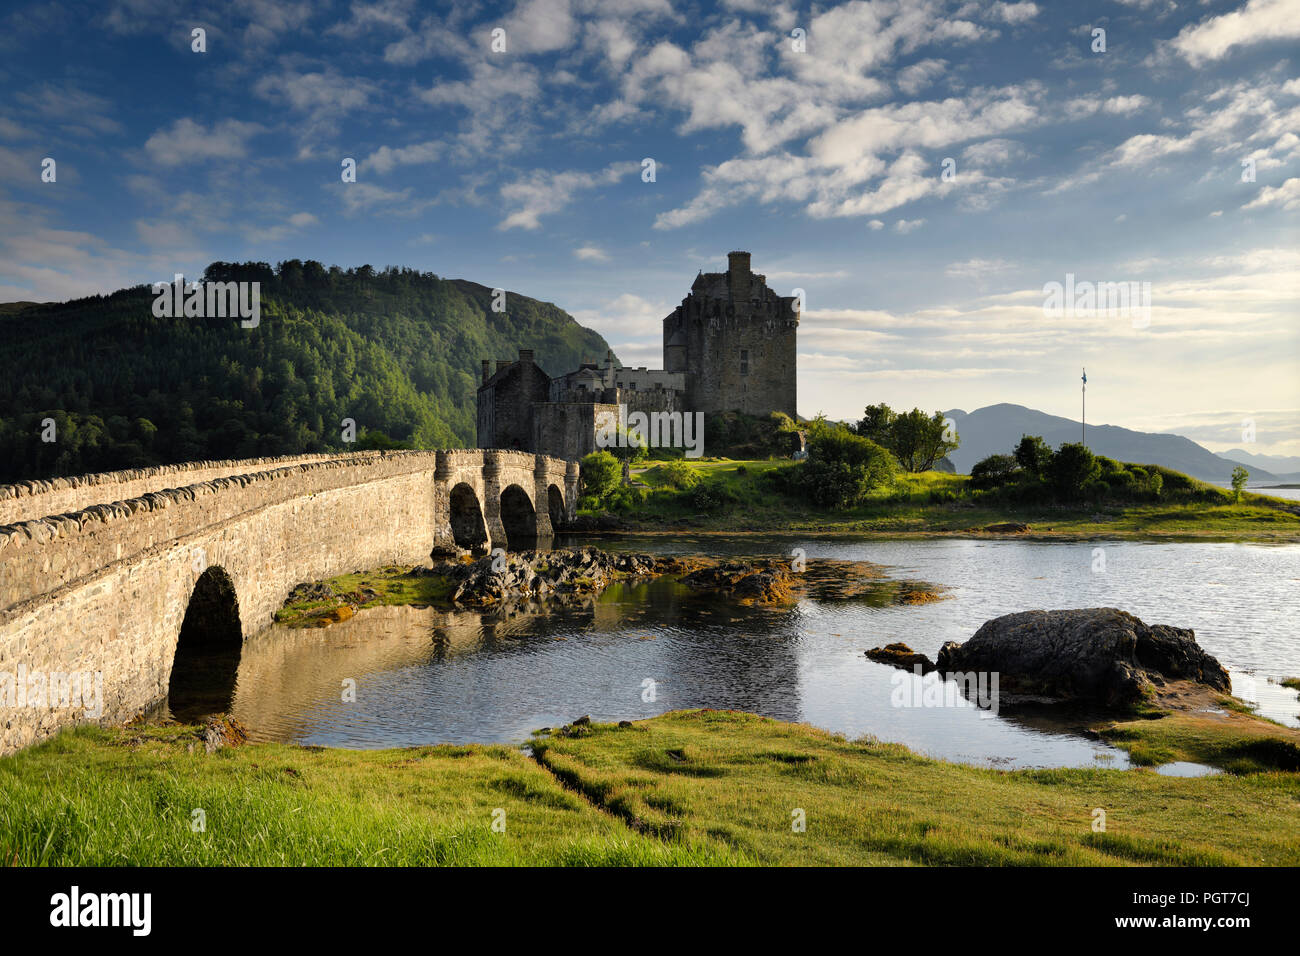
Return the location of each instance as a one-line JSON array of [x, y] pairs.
[[137, 575]]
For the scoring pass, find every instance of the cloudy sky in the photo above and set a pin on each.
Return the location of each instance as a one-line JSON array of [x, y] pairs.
[[920, 169]]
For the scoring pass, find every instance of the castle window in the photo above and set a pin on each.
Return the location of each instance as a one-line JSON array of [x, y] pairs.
[[744, 361]]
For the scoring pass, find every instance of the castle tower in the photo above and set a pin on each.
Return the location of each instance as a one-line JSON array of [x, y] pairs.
[[736, 341]]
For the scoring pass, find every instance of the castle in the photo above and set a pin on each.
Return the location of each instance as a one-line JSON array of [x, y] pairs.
[[729, 346]]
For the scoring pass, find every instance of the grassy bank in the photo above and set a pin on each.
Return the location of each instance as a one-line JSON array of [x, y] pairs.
[[704, 787], [935, 503]]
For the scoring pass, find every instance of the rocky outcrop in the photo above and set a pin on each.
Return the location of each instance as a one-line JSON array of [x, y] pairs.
[[900, 655], [535, 574], [1101, 655], [768, 582]]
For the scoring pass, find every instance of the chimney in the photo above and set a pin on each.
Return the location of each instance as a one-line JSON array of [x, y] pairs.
[[503, 364], [526, 355], [487, 370]]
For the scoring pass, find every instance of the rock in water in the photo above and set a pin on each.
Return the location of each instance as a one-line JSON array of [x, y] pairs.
[[1098, 654], [900, 655]]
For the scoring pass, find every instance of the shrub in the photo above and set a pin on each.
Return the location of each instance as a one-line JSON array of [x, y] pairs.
[[677, 474], [713, 496], [601, 473], [994, 471], [842, 469]]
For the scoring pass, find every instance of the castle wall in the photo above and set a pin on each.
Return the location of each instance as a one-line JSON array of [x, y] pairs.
[[568, 429]]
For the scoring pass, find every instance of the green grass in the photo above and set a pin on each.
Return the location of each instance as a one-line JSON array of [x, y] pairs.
[[126, 797], [690, 787], [393, 585], [1292, 682], [737, 778], [1251, 745], [936, 503]]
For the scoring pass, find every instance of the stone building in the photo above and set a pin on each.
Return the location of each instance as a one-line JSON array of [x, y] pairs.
[[730, 346], [735, 340]]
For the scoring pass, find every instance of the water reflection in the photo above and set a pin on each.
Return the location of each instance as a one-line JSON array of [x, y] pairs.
[[424, 675]]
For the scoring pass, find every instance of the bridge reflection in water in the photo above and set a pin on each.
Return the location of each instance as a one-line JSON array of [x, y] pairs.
[[426, 675]]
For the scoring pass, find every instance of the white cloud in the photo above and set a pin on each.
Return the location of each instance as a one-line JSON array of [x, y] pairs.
[[591, 254], [1258, 21], [1287, 196], [189, 142], [977, 268], [542, 192], [1015, 12]]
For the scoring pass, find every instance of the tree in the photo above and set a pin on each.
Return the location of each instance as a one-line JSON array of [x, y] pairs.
[[1033, 455], [877, 424], [919, 440], [1239, 477], [1072, 468], [993, 471]]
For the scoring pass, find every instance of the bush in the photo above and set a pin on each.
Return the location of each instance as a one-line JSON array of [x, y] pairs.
[[1072, 468], [993, 472], [713, 496], [677, 474], [625, 498], [601, 474], [842, 469]]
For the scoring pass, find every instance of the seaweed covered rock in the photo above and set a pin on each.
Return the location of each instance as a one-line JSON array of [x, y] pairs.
[[1101, 655]]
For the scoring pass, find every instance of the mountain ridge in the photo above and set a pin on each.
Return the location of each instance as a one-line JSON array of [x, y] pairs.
[[996, 429]]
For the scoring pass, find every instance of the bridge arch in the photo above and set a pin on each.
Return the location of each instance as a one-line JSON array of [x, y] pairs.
[[519, 518], [208, 647], [555, 505], [467, 525]]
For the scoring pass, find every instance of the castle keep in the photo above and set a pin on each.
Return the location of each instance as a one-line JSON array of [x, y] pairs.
[[730, 346]]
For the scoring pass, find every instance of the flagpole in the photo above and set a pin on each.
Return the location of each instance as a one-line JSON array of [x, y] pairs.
[[1084, 399]]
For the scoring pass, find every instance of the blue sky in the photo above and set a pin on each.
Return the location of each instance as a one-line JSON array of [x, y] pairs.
[[523, 169]]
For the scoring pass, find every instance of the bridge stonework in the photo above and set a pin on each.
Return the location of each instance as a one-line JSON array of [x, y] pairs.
[[106, 588]]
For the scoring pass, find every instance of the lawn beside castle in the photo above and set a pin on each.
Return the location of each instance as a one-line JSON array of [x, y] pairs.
[[936, 504], [688, 787]]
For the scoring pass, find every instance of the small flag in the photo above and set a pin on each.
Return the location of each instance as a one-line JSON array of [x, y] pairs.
[[1085, 376]]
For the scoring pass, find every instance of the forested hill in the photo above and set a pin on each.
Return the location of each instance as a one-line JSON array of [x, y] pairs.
[[398, 351]]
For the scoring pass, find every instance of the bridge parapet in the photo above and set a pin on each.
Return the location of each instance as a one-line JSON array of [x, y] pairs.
[[25, 500], [43, 554]]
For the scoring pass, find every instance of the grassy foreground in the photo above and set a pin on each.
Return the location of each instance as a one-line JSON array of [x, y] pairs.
[[689, 787], [935, 503]]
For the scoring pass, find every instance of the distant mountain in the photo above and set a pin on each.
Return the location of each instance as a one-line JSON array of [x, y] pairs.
[[997, 429], [1285, 467], [397, 351]]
